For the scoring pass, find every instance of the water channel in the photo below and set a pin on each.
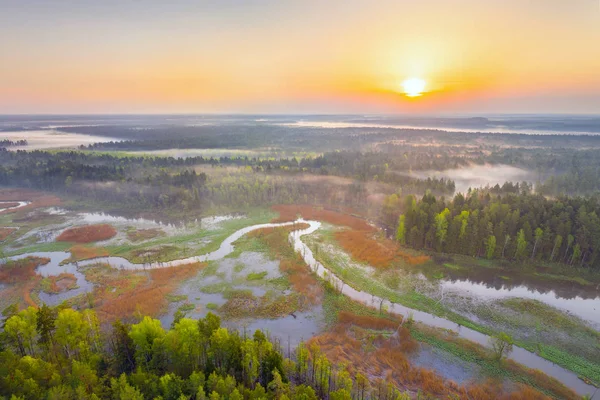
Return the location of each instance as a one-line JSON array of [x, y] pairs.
[[518, 354]]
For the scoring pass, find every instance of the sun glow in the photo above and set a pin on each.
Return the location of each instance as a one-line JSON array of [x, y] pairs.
[[413, 87]]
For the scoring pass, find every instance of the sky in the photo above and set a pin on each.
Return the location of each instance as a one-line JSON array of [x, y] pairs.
[[327, 56]]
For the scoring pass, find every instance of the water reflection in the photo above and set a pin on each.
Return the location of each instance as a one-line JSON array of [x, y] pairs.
[[519, 355]]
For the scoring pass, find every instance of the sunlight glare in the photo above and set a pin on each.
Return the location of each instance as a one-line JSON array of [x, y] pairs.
[[413, 87]]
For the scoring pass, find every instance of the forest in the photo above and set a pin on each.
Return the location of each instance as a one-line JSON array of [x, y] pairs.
[[515, 226], [60, 353]]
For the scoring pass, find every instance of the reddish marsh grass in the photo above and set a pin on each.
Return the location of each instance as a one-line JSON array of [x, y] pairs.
[[87, 234], [37, 199], [291, 212], [22, 270], [5, 232], [135, 293], [367, 322], [61, 283], [80, 252], [358, 241], [290, 263], [378, 356]]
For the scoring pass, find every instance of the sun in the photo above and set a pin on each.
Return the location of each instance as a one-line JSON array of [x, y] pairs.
[[413, 87]]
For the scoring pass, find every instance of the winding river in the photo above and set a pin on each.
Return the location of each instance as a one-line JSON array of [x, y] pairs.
[[518, 354]]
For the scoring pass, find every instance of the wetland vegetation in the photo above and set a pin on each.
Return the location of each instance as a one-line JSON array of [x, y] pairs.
[[516, 261]]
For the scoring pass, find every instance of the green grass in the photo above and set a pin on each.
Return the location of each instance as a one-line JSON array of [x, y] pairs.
[[256, 276], [212, 306], [220, 287], [238, 267], [174, 298], [334, 302], [452, 266], [41, 247], [187, 307], [175, 247], [576, 279]]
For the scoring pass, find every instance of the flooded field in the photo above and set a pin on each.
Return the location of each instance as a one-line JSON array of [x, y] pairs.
[[51, 139], [476, 176], [587, 309]]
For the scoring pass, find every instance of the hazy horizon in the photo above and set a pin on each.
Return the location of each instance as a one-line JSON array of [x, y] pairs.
[[287, 57]]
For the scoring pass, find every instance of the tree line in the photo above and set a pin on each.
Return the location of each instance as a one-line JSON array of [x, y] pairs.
[[514, 226], [60, 353], [166, 182], [10, 143]]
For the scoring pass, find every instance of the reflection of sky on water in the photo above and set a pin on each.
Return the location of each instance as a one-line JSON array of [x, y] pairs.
[[476, 176], [587, 309], [49, 139]]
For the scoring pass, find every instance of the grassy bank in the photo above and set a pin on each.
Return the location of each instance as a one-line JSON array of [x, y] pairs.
[[386, 284]]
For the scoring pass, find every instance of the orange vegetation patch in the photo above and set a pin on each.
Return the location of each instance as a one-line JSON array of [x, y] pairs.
[[21, 270], [291, 212], [37, 199], [290, 263], [358, 241], [61, 283], [5, 232], [368, 322], [87, 234], [8, 205], [354, 348], [80, 252], [125, 294], [375, 252], [22, 277]]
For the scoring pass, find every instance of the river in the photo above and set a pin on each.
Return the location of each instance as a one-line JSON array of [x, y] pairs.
[[518, 354]]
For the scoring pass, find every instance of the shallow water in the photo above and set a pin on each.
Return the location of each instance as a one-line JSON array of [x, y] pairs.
[[519, 355], [475, 176], [53, 268], [585, 308], [450, 367], [49, 233], [230, 271]]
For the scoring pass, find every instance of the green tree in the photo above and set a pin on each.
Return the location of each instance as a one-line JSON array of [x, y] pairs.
[[557, 243], [401, 231], [21, 331], [45, 325], [539, 234], [502, 345], [490, 247], [144, 335], [441, 227], [521, 245]]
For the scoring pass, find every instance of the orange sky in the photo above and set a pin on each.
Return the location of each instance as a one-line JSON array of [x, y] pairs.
[[303, 56]]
